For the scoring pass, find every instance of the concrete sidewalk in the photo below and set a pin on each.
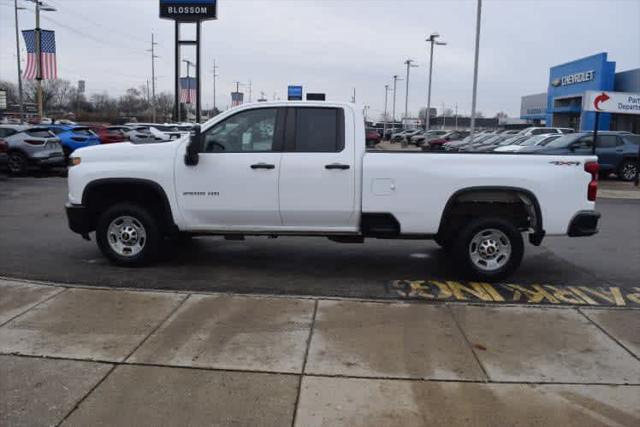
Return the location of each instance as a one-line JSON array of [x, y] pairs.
[[77, 356]]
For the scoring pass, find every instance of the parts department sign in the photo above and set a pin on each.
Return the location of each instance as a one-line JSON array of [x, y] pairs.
[[189, 10], [612, 102]]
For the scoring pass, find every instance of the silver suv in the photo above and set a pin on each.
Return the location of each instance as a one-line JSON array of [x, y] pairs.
[[36, 146]]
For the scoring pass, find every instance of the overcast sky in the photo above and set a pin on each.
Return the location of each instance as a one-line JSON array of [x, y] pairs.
[[333, 46]]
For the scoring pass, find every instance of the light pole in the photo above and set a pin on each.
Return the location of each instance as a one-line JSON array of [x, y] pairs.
[[153, 77], [384, 123], [432, 41], [475, 72], [16, 8], [395, 87], [409, 64], [215, 74]]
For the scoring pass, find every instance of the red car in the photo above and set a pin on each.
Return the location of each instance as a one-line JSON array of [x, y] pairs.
[[372, 137], [111, 134]]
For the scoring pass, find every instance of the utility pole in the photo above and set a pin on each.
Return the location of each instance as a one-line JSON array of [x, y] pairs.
[[249, 90], [456, 116], [475, 71], [215, 74], [431, 40], [384, 123], [20, 96], [153, 77], [409, 64], [395, 87], [444, 117]]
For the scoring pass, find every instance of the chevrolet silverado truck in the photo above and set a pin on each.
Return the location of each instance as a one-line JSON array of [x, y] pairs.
[[302, 169]]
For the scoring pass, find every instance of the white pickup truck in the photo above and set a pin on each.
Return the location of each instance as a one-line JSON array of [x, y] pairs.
[[301, 168]]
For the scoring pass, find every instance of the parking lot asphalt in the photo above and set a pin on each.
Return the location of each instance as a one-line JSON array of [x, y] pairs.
[[35, 243]]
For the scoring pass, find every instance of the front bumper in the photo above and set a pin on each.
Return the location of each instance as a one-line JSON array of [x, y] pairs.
[[78, 218], [585, 223]]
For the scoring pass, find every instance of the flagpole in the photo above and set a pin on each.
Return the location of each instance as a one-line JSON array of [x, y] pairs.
[[39, 62], [19, 68]]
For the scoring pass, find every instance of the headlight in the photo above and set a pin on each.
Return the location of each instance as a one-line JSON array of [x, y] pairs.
[[74, 161]]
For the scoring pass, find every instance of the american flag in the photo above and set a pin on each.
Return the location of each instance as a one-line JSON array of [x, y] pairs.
[[188, 92], [48, 49]]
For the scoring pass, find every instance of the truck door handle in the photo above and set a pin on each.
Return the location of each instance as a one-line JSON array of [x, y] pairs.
[[336, 166], [263, 166]]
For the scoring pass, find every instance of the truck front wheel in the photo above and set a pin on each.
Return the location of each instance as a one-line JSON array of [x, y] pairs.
[[128, 235], [489, 248]]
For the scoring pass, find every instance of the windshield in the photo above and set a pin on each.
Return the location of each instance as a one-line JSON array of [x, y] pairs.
[[565, 140], [534, 140]]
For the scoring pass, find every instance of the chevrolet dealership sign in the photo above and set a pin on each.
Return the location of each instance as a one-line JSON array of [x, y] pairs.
[[571, 79], [611, 102], [189, 10]]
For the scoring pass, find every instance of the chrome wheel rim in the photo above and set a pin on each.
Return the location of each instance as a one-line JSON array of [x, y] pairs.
[[127, 236], [490, 250], [629, 171]]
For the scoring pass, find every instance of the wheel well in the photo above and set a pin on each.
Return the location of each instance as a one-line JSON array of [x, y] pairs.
[[100, 195], [516, 205]]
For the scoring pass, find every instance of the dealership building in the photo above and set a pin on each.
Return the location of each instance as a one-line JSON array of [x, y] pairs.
[[562, 104]]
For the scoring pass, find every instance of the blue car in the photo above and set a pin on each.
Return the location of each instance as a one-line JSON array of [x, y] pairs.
[[618, 152], [73, 137]]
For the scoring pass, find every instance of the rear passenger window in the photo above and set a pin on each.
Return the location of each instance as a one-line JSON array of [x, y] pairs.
[[40, 133], [319, 130], [607, 141]]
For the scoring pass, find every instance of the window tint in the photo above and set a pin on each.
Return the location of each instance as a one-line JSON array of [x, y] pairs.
[[7, 132], [83, 132], [542, 131], [317, 130], [245, 132], [607, 141], [40, 133], [632, 139]]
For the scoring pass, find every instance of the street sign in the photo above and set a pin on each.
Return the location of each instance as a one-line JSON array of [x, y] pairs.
[[294, 93], [611, 102], [189, 10], [237, 98]]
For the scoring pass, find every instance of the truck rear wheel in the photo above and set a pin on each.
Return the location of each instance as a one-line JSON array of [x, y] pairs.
[[489, 248], [128, 235]]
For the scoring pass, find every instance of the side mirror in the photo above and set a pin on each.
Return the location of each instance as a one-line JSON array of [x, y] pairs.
[[191, 157]]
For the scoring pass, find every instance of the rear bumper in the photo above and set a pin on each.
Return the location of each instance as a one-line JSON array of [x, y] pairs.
[[78, 218], [585, 223]]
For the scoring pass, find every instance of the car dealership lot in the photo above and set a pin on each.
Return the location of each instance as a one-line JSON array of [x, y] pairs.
[[36, 244]]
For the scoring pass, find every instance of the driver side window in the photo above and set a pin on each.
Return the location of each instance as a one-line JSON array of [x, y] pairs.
[[246, 132]]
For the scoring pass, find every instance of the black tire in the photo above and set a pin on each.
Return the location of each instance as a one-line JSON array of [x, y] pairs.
[[445, 242], [66, 152], [17, 163], [628, 170], [462, 248], [153, 235]]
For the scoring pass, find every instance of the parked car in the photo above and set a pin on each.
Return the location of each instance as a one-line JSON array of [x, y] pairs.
[[399, 136], [419, 138], [372, 137], [33, 146], [410, 134], [111, 134], [324, 184], [437, 142], [458, 145], [73, 137], [522, 141], [4, 153], [617, 151], [168, 131], [538, 130]]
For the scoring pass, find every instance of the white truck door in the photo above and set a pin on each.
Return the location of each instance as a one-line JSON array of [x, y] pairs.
[[317, 174], [235, 183]]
